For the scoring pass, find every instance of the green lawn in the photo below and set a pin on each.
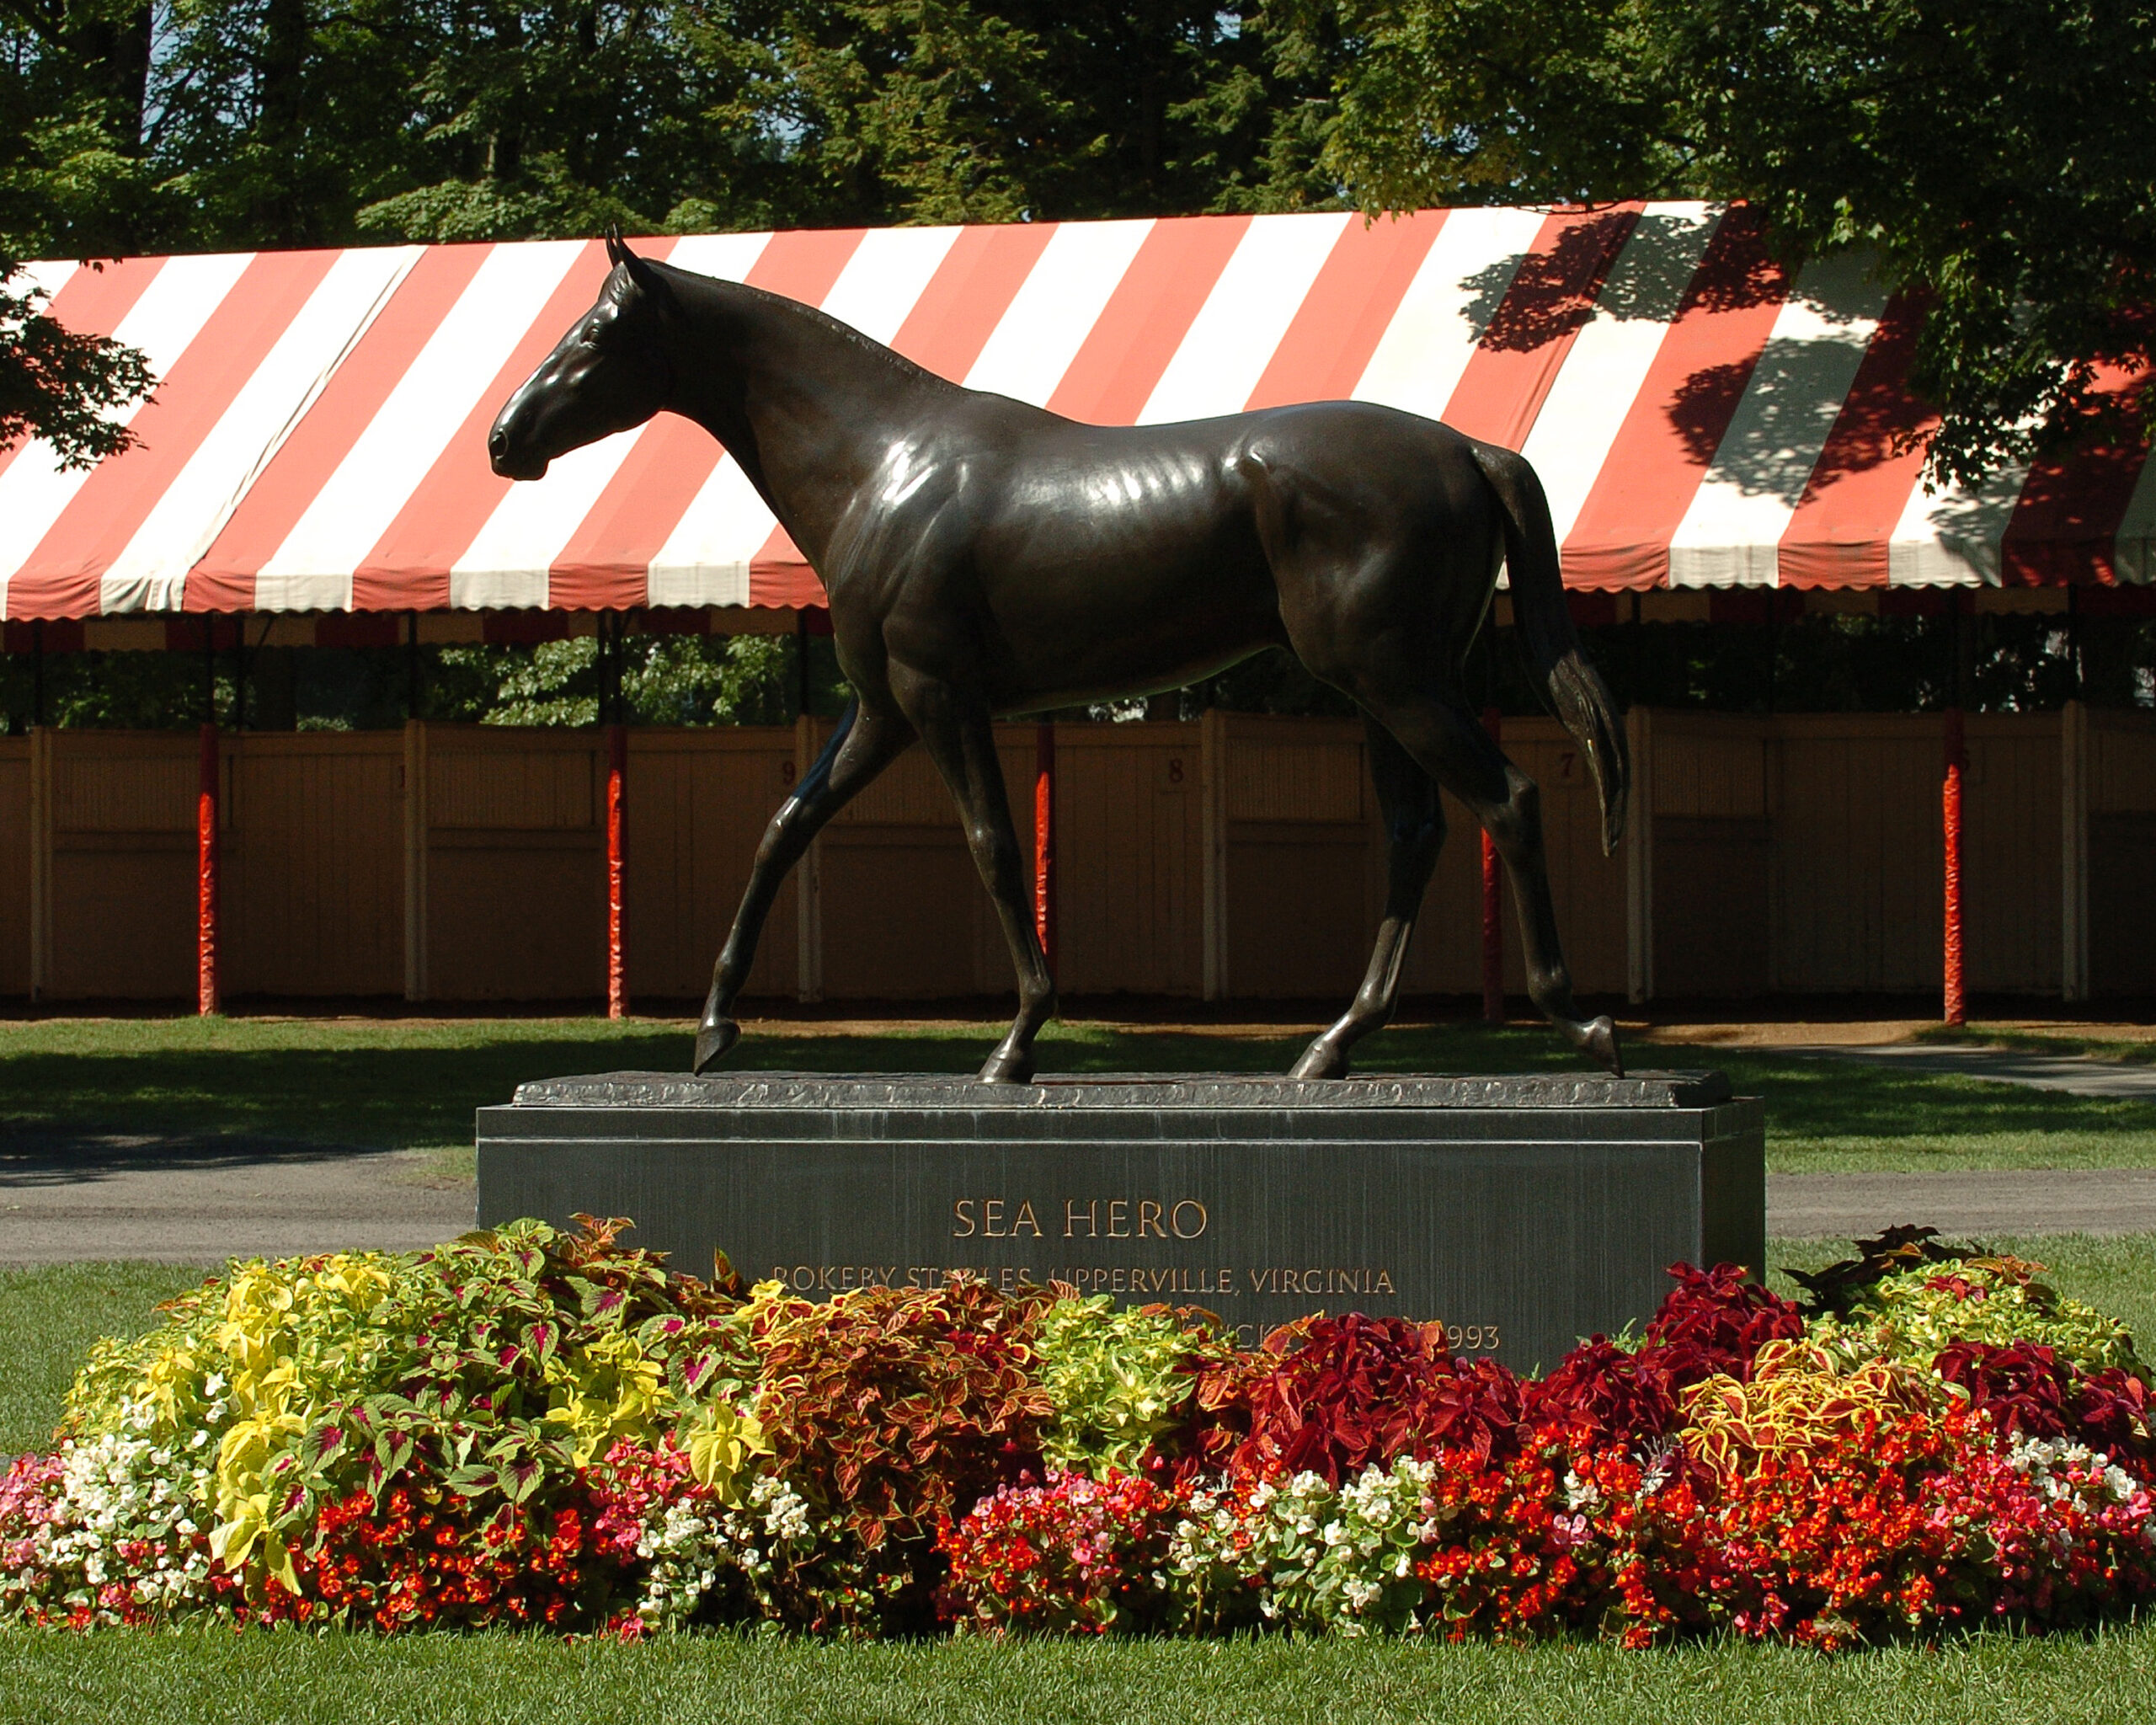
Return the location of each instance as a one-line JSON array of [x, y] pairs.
[[2032, 1039], [415, 1083], [286, 1679]]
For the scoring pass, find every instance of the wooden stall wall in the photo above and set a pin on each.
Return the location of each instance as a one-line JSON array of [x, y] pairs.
[[1856, 852], [698, 801], [1240, 856], [1294, 823], [1587, 887], [1710, 842], [516, 864], [313, 884], [122, 897], [901, 911], [14, 866], [2010, 872], [2121, 769], [1129, 833]]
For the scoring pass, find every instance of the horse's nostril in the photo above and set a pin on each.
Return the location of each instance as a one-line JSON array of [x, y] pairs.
[[497, 442]]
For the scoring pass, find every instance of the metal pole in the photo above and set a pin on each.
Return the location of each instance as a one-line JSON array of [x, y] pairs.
[[1044, 840], [801, 664], [37, 672], [1493, 906], [1956, 1004], [206, 877], [411, 665], [1954, 1000], [617, 772]]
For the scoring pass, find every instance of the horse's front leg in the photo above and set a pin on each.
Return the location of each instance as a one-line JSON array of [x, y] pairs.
[[956, 730], [1415, 832], [864, 744]]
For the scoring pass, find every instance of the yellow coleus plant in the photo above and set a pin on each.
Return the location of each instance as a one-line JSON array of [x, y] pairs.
[[1800, 1400]]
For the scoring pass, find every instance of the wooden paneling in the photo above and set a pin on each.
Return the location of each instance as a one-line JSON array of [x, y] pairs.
[[1301, 907], [2121, 852], [517, 868], [2011, 876], [14, 865], [904, 915], [1856, 870], [1712, 855], [2122, 762], [1798, 853], [1587, 888], [313, 889], [123, 874], [1130, 883], [2122, 904], [698, 803]]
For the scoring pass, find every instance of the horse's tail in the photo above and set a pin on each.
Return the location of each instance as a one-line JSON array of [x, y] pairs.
[[1570, 686]]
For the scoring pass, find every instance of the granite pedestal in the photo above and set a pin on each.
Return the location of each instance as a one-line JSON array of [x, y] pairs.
[[1523, 1211]]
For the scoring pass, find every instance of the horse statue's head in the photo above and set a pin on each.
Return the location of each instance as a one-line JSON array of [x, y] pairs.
[[610, 372]]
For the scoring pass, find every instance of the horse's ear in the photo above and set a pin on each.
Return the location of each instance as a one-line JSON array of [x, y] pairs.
[[616, 253]]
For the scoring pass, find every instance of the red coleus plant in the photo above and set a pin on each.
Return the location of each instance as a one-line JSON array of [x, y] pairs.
[[1716, 1321], [2029, 1392], [890, 1408], [1342, 1393]]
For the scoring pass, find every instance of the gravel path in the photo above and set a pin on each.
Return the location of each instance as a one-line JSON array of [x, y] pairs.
[[2075, 1074], [1979, 1201], [72, 1196]]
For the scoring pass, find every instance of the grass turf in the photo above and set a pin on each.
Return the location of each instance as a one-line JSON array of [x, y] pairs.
[[2028, 1040], [413, 1083], [291, 1679]]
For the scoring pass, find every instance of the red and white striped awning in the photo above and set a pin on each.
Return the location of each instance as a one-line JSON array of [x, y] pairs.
[[1700, 417]]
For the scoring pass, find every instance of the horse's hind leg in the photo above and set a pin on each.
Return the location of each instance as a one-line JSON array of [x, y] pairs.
[[864, 744], [1455, 750], [1415, 832], [955, 728]]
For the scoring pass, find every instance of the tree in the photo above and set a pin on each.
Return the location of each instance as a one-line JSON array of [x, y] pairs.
[[2001, 158], [59, 384]]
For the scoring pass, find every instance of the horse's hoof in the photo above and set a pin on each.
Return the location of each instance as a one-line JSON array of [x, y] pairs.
[[1598, 1043], [1321, 1060], [714, 1039], [1006, 1066]]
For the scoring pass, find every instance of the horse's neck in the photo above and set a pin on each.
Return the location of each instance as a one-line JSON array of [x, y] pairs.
[[807, 406]]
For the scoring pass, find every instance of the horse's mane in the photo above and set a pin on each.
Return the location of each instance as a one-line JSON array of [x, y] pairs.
[[693, 286]]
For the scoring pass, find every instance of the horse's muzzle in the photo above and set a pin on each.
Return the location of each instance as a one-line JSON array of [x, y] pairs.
[[511, 463]]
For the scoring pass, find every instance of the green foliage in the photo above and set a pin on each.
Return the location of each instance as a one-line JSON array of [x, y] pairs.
[[665, 679], [59, 385], [1914, 1315], [2000, 159], [495, 1365], [1117, 1379]]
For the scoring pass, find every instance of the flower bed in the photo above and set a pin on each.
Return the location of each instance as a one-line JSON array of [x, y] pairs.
[[547, 1429]]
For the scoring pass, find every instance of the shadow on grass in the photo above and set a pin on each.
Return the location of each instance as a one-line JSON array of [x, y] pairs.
[[388, 1084]]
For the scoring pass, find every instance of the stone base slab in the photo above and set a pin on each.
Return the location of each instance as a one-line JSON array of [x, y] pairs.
[[1523, 1211]]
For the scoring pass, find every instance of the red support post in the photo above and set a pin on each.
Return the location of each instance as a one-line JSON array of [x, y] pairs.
[[1044, 840], [617, 772], [1493, 906], [1958, 760], [207, 999]]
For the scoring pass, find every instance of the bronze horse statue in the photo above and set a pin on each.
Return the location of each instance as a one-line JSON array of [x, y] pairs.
[[984, 558]]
